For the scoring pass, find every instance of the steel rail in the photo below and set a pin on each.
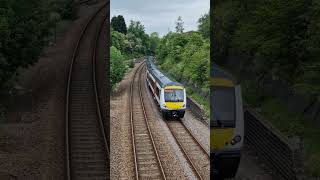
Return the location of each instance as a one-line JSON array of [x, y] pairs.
[[67, 125], [193, 166], [94, 75], [146, 121], [196, 140]]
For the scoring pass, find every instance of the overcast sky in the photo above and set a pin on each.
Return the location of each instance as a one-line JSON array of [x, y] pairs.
[[160, 15]]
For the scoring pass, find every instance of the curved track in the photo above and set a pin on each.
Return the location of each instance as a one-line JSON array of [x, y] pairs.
[[87, 152], [195, 153], [146, 158]]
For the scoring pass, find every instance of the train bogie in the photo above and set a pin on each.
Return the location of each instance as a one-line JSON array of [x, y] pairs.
[[172, 113]]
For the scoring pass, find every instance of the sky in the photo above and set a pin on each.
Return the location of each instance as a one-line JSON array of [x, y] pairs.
[[160, 15]]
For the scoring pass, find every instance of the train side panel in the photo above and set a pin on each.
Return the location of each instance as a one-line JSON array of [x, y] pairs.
[[160, 85], [154, 86]]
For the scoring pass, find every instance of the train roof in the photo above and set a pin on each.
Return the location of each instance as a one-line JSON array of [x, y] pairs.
[[158, 75], [218, 72]]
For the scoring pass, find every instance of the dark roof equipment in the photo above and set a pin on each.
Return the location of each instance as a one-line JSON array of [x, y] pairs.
[[218, 72], [159, 76]]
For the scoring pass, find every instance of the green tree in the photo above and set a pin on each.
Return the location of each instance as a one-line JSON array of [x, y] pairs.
[[204, 25], [118, 24], [185, 57], [117, 66], [277, 39], [179, 25], [25, 27], [138, 36], [118, 40], [154, 41], [135, 43]]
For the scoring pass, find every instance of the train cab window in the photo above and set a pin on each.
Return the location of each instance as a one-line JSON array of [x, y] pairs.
[[173, 95], [223, 108]]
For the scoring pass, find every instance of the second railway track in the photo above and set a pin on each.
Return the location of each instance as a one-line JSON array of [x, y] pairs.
[[87, 152], [195, 153], [146, 158], [147, 162]]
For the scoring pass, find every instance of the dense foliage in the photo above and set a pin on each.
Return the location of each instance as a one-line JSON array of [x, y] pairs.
[[124, 47], [154, 42], [204, 26], [281, 38], [185, 56], [117, 65], [24, 31], [118, 24], [278, 39]]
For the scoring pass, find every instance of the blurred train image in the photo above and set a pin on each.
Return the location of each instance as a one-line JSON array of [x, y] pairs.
[[226, 124], [170, 95]]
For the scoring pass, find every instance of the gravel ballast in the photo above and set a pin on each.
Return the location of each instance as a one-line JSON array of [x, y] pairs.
[[122, 163], [32, 142]]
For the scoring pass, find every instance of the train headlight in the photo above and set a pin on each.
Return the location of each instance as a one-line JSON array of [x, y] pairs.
[[235, 140]]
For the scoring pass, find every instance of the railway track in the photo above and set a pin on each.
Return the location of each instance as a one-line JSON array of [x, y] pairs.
[[146, 158], [82, 2], [87, 151], [195, 153]]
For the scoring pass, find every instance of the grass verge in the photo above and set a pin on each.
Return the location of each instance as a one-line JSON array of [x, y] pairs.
[[200, 100], [289, 123]]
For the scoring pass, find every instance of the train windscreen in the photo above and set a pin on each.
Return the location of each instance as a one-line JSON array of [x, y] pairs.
[[173, 95], [223, 108]]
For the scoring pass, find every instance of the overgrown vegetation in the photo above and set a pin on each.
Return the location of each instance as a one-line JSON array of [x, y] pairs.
[[25, 28], [127, 44], [185, 57], [118, 24], [290, 123], [281, 38], [278, 39], [182, 56]]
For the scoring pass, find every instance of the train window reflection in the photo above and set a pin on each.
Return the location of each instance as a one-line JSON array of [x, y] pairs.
[[173, 95], [223, 107]]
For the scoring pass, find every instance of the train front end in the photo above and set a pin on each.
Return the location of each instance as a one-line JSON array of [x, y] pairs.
[[226, 127], [173, 98]]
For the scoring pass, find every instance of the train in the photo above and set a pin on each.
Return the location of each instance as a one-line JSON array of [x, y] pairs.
[[170, 95], [226, 123]]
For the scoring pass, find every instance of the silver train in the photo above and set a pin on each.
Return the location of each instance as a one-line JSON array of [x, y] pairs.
[[170, 95]]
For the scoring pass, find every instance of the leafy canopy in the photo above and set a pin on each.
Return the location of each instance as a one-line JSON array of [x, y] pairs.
[[118, 24], [179, 25]]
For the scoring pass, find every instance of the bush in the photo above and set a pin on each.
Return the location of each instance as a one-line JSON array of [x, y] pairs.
[[186, 58], [117, 66], [24, 31]]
